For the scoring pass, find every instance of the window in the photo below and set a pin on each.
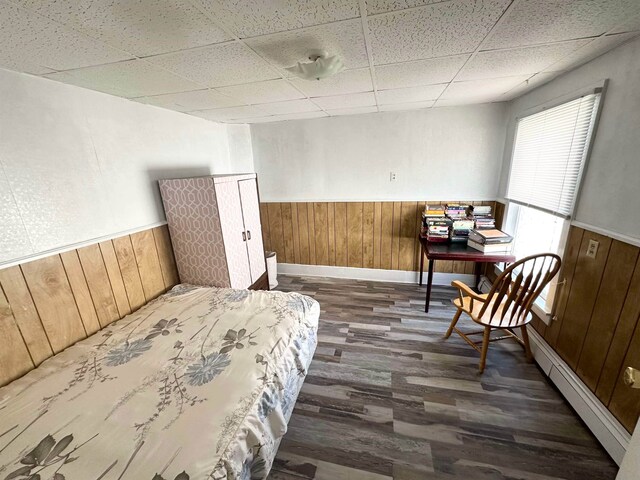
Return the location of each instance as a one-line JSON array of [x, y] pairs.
[[537, 231], [549, 155]]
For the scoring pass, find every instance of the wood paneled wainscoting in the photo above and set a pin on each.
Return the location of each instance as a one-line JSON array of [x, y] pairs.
[[380, 235], [46, 305], [597, 328]]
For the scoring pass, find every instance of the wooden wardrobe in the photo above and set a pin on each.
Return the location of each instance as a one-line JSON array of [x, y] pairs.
[[214, 222]]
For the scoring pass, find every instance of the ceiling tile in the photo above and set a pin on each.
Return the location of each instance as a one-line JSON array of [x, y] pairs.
[[250, 18], [407, 106], [289, 116], [291, 106], [133, 78], [535, 81], [421, 72], [45, 43], [456, 103], [288, 48], [351, 111], [590, 51], [217, 65], [189, 101], [346, 101], [141, 27], [411, 94], [263, 92], [632, 25], [19, 63], [233, 113], [254, 120], [480, 91], [349, 81], [517, 61], [532, 22], [382, 6], [437, 30]]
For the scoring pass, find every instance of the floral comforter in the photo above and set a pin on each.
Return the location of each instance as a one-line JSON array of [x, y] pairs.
[[198, 384]]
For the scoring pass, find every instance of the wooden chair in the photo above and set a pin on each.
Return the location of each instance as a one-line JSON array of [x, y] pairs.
[[507, 306]]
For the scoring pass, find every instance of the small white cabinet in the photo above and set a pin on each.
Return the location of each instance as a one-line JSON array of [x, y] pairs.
[[215, 229]]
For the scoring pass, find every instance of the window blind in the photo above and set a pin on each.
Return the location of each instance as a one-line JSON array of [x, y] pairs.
[[549, 154]]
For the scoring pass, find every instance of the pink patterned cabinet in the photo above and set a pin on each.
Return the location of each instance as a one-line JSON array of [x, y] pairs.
[[215, 230]]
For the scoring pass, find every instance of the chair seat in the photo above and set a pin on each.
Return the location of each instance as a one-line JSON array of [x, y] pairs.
[[486, 319]]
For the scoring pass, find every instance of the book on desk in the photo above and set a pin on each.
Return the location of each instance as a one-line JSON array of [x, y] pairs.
[[470, 225]]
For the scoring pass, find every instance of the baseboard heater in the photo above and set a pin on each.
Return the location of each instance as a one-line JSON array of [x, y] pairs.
[[606, 428]]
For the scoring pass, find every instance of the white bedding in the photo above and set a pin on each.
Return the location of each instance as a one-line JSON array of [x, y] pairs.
[[198, 384]]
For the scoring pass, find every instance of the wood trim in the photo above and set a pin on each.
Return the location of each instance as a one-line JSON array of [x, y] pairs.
[[130, 273], [74, 246], [377, 235], [26, 317], [80, 289], [597, 328], [148, 261], [48, 304], [608, 233], [16, 360], [52, 295]]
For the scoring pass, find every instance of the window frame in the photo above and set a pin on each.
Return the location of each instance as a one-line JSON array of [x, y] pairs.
[[545, 309]]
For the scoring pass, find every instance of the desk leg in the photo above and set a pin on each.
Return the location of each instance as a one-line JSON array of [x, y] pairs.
[[478, 271], [429, 282], [421, 262]]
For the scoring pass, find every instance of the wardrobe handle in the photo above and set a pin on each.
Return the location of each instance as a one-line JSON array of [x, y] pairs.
[[244, 237], [249, 234]]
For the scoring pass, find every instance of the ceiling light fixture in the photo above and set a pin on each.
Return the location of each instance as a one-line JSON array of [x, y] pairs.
[[321, 66]]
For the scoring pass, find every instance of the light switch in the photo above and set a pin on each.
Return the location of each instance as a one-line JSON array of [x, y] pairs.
[[592, 249], [392, 176]]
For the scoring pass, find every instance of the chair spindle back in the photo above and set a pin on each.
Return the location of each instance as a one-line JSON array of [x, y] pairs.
[[514, 291]]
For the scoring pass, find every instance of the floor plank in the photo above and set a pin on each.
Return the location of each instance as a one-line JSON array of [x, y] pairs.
[[386, 397]]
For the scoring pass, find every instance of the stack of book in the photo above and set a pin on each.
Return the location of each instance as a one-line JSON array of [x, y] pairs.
[[490, 240], [455, 211], [438, 229], [435, 226], [461, 223], [483, 218], [433, 211], [460, 229]]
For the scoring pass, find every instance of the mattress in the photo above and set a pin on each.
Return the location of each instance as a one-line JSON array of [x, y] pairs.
[[198, 384]]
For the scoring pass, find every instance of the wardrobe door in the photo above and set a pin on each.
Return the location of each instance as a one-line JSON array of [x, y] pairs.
[[251, 213], [233, 233], [196, 233]]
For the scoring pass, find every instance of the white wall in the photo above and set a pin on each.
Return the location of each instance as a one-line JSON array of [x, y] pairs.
[[77, 165], [452, 153], [610, 195], [240, 148]]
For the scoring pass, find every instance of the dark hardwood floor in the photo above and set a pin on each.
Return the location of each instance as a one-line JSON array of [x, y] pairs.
[[387, 398]]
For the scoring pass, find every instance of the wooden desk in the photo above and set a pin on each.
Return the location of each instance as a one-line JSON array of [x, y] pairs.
[[455, 251]]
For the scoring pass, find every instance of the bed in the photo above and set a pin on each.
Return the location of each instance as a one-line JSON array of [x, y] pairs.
[[198, 384]]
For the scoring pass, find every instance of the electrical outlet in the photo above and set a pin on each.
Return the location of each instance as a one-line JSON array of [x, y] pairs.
[[592, 249], [392, 176]]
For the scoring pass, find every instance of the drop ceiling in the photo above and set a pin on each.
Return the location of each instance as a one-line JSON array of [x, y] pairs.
[[225, 60]]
